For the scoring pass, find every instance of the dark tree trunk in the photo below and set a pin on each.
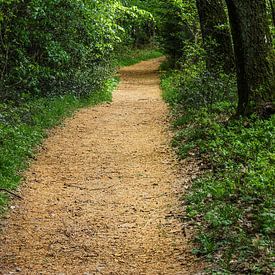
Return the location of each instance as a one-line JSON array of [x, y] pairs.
[[253, 55], [272, 11], [215, 34]]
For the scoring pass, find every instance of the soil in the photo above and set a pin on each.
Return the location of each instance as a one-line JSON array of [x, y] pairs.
[[102, 195]]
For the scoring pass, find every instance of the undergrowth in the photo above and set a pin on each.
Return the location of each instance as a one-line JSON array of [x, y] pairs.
[[23, 127], [232, 201], [129, 57]]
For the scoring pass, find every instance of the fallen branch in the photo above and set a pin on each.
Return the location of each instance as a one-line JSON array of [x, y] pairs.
[[11, 193]]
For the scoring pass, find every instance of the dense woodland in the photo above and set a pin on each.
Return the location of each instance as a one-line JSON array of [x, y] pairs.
[[59, 55]]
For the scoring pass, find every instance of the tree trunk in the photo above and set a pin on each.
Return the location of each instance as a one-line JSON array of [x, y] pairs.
[[272, 12], [253, 55], [216, 34]]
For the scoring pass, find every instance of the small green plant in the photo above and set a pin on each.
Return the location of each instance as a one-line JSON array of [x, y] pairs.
[[23, 127], [232, 201], [129, 57]]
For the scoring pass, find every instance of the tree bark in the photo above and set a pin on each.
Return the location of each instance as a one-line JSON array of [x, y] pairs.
[[272, 12], [253, 56], [216, 34]]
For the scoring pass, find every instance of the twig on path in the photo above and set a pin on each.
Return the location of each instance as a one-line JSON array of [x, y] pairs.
[[75, 186], [103, 188], [84, 188], [10, 192]]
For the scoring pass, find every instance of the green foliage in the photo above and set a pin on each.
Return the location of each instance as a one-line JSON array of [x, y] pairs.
[[232, 202], [54, 47], [197, 87], [177, 25], [23, 127], [133, 56], [138, 25]]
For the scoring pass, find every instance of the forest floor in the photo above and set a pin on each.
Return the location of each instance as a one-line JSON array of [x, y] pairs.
[[102, 195]]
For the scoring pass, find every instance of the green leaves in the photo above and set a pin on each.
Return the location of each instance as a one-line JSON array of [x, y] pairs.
[[138, 24], [23, 127], [232, 202], [55, 46], [59, 46]]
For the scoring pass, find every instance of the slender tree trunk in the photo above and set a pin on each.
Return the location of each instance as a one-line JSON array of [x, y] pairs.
[[216, 34], [272, 12], [253, 55]]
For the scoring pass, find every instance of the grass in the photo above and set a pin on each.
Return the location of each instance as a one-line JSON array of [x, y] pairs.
[[232, 201], [131, 57], [24, 127]]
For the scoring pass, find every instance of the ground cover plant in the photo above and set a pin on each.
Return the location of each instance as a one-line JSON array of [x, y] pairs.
[[224, 117], [232, 202], [22, 129], [133, 56], [57, 56]]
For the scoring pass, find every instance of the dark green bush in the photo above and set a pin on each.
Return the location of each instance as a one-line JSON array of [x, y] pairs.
[[177, 25], [139, 26], [54, 47]]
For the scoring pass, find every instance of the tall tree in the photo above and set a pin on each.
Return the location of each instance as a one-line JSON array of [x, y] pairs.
[[215, 34], [253, 55], [272, 12]]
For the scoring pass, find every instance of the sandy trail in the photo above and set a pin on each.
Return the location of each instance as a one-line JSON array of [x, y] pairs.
[[101, 197]]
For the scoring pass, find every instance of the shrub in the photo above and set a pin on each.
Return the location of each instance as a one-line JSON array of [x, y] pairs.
[[53, 47]]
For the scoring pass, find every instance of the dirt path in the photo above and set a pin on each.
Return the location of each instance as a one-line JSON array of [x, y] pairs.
[[101, 198]]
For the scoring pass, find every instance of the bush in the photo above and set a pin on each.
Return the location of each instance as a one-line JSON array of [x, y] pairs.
[[177, 25], [138, 24], [54, 47]]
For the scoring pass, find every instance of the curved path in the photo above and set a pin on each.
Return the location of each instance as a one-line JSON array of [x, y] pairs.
[[101, 197]]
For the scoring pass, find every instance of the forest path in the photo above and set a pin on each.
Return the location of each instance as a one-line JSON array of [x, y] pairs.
[[102, 195]]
